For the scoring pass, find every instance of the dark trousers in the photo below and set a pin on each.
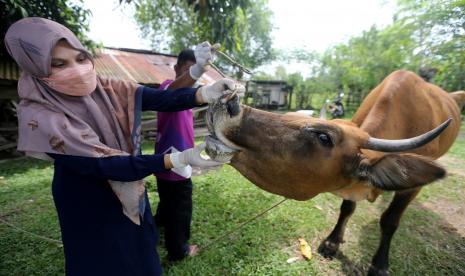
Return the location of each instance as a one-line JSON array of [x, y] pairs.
[[174, 213]]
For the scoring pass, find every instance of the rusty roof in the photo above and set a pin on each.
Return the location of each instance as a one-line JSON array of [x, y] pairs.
[[9, 70], [142, 66]]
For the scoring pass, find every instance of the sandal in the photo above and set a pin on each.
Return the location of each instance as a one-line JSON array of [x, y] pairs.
[[193, 250]]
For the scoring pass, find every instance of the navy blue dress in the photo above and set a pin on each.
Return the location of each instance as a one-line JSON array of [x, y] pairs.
[[98, 238]]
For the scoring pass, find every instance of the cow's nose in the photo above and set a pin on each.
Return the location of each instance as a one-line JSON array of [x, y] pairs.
[[233, 106]]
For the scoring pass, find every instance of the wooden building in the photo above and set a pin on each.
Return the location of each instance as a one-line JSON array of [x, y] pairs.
[[268, 94]]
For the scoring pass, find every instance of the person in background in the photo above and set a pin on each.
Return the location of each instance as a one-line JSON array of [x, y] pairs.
[[175, 132], [89, 127]]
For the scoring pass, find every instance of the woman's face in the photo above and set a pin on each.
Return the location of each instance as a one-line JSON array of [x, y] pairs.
[[64, 57]]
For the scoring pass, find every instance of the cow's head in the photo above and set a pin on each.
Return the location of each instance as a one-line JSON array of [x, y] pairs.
[[299, 157]]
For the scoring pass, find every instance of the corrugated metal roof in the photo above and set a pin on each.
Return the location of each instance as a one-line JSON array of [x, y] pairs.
[[9, 70], [141, 66]]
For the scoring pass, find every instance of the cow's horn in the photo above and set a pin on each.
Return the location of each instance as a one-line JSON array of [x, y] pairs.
[[405, 144]]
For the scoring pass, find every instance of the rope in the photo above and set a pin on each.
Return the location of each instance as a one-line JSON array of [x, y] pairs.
[[240, 226], [201, 249], [30, 233]]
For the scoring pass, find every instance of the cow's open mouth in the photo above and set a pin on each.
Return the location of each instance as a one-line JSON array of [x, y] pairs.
[[217, 150], [218, 147]]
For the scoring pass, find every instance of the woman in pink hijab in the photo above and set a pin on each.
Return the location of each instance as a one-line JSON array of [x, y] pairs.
[[90, 127]]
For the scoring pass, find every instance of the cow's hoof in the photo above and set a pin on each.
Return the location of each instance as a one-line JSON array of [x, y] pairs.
[[373, 271], [328, 249]]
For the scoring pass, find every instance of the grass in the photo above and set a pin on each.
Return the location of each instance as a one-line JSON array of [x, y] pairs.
[[426, 243]]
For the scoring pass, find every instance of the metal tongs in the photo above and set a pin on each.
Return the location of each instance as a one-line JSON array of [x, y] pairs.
[[229, 96], [241, 67]]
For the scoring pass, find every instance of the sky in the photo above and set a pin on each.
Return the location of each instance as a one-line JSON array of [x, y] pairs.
[[307, 24], [318, 24], [113, 25]]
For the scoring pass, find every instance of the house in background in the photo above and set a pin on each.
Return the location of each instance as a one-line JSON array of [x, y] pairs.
[[9, 75], [145, 67], [268, 94]]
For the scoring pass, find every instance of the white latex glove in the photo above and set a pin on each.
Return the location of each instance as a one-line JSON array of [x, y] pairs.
[[204, 54], [191, 157], [213, 91]]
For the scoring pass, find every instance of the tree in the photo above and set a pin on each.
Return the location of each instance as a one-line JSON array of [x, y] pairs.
[[69, 13], [241, 26], [439, 30]]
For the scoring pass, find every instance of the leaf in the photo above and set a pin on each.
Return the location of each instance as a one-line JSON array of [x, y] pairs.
[[305, 249]]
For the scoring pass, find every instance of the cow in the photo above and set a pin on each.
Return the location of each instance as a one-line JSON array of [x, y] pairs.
[[389, 145], [459, 97]]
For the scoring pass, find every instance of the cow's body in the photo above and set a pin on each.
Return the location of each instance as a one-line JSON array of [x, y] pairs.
[[299, 157], [459, 97], [403, 106]]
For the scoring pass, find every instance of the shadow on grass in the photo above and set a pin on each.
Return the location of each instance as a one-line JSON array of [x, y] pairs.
[[424, 244], [19, 165]]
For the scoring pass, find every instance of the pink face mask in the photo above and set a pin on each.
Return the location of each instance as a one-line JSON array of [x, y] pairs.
[[76, 81]]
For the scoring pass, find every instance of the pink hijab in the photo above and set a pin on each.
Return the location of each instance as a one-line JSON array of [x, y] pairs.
[[104, 123]]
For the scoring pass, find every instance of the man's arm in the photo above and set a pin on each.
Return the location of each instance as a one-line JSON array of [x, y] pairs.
[[185, 80]]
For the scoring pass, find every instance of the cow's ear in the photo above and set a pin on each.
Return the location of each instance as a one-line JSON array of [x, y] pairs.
[[401, 171]]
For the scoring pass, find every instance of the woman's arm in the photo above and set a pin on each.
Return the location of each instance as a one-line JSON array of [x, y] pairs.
[[117, 168], [175, 100]]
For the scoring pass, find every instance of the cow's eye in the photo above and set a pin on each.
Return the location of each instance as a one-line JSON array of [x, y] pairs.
[[324, 139]]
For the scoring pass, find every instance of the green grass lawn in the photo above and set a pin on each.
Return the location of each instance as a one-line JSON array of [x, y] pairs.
[[427, 242]]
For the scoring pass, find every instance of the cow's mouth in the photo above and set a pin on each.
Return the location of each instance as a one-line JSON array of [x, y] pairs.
[[220, 115]]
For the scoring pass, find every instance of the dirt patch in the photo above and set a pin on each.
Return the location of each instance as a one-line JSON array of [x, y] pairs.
[[453, 165], [451, 212]]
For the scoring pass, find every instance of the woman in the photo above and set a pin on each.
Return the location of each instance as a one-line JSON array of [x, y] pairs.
[[90, 127]]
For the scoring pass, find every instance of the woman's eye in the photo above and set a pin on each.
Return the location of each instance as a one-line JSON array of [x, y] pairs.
[[58, 65], [82, 58], [325, 140]]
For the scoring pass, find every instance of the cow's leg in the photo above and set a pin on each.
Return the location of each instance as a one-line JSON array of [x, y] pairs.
[[330, 245], [389, 223]]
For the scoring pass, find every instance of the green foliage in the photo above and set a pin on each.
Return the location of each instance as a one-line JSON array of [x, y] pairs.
[[241, 26], [438, 28], [365, 60], [69, 13], [423, 35]]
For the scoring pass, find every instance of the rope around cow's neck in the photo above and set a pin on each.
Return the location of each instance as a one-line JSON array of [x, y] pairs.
[[209, 244]]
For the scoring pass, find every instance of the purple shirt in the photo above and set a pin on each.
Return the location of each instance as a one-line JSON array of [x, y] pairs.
[[175, 130]]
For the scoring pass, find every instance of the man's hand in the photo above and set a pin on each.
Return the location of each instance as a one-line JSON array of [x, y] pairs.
[[210, 93], [191, 157], [204, 54]]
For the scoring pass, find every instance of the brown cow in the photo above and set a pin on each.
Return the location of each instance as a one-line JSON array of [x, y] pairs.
[[459, 97], [299, 157]]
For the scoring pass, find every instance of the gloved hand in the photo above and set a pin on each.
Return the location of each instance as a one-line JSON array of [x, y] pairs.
[[204, 54], [191, 157], [210, 93]]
